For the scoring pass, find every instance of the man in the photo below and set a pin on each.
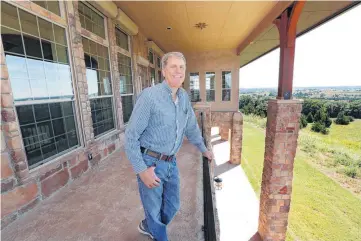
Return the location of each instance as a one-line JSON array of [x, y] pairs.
[[161, 117]]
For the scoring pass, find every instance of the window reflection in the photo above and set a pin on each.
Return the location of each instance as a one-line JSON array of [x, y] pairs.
[[32, 58]]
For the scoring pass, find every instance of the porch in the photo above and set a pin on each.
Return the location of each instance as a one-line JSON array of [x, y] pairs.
[[66, 98], [104, 204]]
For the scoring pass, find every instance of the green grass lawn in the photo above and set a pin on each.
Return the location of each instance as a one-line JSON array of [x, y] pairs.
[[348, 136], [320, 209]]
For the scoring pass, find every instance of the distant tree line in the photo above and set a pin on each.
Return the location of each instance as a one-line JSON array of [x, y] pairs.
[[316, 111]]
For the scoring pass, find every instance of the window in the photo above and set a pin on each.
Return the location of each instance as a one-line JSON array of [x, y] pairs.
[[158, 62], [210, 85], [152, 76], [151, 56], [52, 6], [121, 39], [143, 76], [37, 60], [160, 76], [226, 85], [91, 20], [194, 87], [126, 85], [99, 86]]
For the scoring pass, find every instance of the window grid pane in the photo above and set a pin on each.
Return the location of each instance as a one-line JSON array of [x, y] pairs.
[[90, 20], [99, 86], [158, 62], [121, 39], [152, 76], [37, 60], [210, 86], [52, 6], [102, 115], [226, 85], [125, 71], [151, 56], [97, 65], [44, 130], [194, 87], [160, 76], [127, 104]]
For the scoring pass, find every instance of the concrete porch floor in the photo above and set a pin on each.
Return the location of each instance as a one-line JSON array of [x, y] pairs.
[[104, 204], [236, 202]]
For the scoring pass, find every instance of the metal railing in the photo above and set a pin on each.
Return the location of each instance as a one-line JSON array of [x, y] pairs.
[[209, 224]]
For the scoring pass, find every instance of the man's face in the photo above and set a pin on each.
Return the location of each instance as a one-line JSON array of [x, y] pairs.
[[174, 71]]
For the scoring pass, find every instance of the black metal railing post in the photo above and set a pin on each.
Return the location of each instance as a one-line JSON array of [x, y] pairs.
[[209, 224]]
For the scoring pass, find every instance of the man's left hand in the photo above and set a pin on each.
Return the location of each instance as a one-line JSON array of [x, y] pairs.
[[209, 155]]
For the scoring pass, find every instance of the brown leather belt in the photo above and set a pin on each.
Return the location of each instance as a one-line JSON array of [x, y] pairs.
[[157, 155]]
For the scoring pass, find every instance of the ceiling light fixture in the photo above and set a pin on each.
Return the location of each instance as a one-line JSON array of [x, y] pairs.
[[201, 26]]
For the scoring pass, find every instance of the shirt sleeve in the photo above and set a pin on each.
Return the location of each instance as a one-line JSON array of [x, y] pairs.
[[138, 122], [193, 132]]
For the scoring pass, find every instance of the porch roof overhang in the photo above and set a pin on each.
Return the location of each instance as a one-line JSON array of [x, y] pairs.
[[245, 27]]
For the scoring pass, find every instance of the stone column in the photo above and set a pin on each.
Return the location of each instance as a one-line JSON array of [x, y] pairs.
[[281, 144], [10, 125], [81, 84], [236, 138], [113, 58]]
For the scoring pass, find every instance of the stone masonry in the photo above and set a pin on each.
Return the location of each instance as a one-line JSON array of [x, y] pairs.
[[230, 126], [236, 138], [281, 143]]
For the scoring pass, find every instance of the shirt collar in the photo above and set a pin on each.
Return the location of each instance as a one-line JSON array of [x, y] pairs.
[[167, 88]]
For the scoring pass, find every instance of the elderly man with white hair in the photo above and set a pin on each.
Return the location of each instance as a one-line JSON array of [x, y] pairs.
[[161, 117]]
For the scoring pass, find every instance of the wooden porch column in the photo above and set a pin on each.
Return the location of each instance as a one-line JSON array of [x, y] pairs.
[[282, 129]]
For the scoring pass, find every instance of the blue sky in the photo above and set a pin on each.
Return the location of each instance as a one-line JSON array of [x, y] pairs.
[[330, 55]]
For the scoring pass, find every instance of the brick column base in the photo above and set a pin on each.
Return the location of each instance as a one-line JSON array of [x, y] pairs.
[[236, 138], [281, 143]]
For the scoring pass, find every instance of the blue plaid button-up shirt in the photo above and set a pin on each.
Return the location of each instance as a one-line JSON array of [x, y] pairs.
[[159, 124]]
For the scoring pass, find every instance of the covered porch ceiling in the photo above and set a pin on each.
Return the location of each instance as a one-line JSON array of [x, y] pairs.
[[245, 26]]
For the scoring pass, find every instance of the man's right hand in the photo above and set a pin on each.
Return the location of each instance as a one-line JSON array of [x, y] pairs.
[[149, 178]]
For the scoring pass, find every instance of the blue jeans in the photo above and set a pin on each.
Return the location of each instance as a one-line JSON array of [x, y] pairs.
[[160, 203]]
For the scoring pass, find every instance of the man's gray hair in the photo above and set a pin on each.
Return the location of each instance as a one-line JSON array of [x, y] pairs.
[[175, 54]]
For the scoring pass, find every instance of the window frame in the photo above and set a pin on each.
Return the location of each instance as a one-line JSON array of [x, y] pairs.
[[230, 89], [73, 100], [96, 137], [199, 87], [150, 50], [133, 87], [61, 13], [89, 5], [128, 40], [205, 82]]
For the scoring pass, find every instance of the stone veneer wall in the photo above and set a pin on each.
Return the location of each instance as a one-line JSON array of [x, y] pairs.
[[23, 189]]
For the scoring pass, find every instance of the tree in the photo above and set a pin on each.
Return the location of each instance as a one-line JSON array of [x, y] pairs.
[[342, 119], [320, 127], [310, 118], [303, 122], [328, 121]]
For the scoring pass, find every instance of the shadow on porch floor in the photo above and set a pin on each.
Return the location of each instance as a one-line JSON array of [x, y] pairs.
[[104, 205]]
